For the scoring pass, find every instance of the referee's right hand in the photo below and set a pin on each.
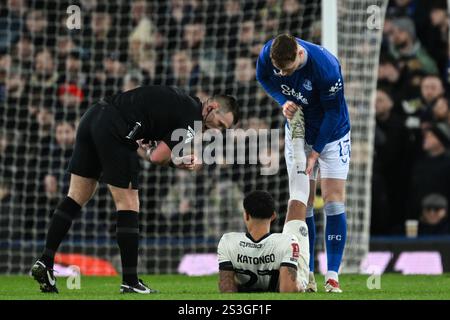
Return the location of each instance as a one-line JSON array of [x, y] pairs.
[[289, 109], [188, 162]]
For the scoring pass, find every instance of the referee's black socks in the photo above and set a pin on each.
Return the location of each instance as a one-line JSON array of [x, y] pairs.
[[128, 241], [65, 212]]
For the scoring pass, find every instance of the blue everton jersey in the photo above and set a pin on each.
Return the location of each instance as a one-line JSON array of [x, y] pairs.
[[317, 86]]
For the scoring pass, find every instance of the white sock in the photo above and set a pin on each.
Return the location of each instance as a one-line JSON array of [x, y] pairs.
[[299, 229], [298, 180], [332, 275]]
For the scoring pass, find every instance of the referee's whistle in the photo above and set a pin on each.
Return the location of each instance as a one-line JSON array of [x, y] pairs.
[[133, 132]]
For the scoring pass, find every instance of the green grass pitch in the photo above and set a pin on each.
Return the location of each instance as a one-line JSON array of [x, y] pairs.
[[175, 287]]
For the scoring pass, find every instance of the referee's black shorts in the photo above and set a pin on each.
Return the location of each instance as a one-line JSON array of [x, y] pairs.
[[101, 151]]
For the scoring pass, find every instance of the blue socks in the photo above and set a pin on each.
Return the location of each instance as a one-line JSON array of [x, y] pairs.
[[312, 235], [336, 234]]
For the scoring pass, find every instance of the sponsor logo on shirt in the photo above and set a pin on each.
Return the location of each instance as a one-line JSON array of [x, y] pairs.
[[307, 85], [335, 88], [287, 91], [251, 245]]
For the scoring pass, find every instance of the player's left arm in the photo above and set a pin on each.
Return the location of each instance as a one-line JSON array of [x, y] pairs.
[[288, 281], [331, 97]]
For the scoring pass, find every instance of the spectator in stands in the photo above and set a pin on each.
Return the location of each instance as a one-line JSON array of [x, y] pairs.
[[140, 11], [441, 111], [194, 42], [45, 75], [64, 138], [431, 174], [431, 88], [401, 85], [73, 69], [434, 219], [291, 17], [407, 49], [132, 81], [101, 25], [37, 26], [9, 216], [15, 85], [24, 53], [418, 111], [11, 22], [5, 61], [194, 36], [391, 165], [172, 16], [400, 8], [271, 23], [436, 37], [186, 71], [51, 187], [70, 99], [45, 119], [249, 39], [60, 153], [102, 37], [109, 75], [245, 85], [65, 45], [141, 42]]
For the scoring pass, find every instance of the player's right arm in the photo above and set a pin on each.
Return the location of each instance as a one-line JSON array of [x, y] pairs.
[[289, 267], [227, 283]]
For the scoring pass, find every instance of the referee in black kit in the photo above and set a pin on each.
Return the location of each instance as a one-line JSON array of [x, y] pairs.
[[108, 141]]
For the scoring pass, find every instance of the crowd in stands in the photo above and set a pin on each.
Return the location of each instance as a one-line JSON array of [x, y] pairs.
[[49, 75], [412, 137]]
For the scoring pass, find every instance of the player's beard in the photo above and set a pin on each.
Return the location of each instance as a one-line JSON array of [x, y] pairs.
[[206, 117]]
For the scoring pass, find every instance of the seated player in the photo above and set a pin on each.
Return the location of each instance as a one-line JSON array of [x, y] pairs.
[[258, 260]]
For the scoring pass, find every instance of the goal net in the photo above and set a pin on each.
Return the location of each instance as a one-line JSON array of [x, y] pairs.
[[59, 57]]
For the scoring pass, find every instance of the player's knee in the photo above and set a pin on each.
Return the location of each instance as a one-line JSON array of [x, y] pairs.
[[80, 196], [334, 196], [127, 202]]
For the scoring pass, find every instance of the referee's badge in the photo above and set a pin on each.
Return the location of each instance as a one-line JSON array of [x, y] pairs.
[[307, 85]]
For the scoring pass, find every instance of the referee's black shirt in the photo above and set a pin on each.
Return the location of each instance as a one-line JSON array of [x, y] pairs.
[[159, 109]]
